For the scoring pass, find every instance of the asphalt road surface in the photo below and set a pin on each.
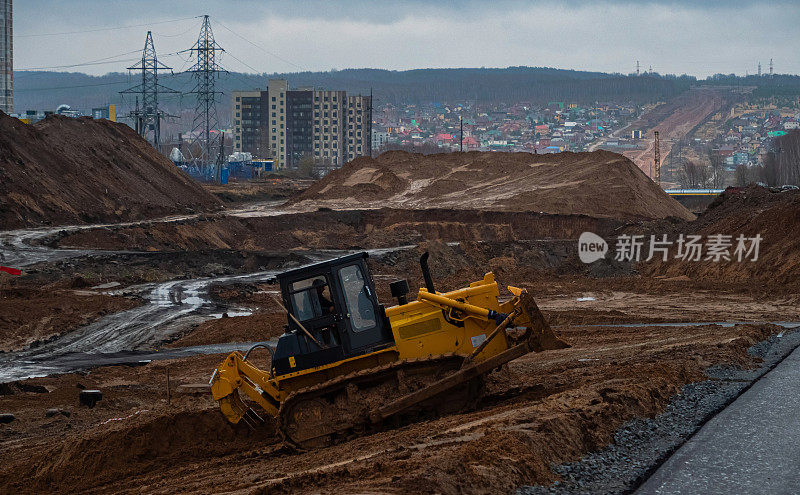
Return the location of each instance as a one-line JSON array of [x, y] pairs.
[[751, 447]]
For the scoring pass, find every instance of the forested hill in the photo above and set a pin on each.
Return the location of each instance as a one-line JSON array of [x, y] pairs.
[[46, 90]]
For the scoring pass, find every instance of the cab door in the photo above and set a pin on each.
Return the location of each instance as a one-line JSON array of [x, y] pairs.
[[362, 318]]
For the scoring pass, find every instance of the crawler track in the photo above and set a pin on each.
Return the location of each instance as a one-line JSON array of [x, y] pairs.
[[338, 409]]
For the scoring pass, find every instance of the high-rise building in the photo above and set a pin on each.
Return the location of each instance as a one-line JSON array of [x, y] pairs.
[[276, 127], [299, 125], [329, 128], [326, 128], [250, 111], [358, 141], [6, 57]]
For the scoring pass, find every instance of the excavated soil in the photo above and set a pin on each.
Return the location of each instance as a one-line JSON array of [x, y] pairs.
[[751, 211], [331, 229], [133, 430], [271, 189], [266, 322], [71, 171], [598, 184], [541, 410]]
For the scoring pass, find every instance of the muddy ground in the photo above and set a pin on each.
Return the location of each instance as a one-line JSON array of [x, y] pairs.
[[31, 313], [540, 411], [336, 229], [273, 188], [543, 409]]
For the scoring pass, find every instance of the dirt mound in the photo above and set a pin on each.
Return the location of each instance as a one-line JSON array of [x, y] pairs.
[[138, 444], [257, 327], [751, 211], [65, 170], [598, 184]]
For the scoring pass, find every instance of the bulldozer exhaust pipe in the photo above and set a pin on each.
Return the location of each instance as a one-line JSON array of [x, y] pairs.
[[426, 272]]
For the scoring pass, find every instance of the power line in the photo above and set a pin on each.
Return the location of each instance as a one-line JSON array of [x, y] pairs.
[[243, 62], [99, 61], [260, 47], [175, 35], [103, 29], [70, 87]]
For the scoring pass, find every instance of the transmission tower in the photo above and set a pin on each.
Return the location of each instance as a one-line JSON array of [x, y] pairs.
[[205, 72], [148, 116]]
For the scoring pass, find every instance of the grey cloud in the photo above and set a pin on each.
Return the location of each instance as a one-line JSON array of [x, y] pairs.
[[675, 36]]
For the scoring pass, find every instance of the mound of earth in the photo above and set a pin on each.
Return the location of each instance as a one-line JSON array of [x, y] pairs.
[[597, 184], [751, 211], [70, 171]]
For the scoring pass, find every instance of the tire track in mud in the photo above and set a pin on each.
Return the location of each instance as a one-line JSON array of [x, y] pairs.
[[170, 307]]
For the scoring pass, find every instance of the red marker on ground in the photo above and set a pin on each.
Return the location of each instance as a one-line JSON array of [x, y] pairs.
[[12, 271]]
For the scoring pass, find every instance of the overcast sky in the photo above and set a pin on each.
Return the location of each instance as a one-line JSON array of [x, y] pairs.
[[693, 37]]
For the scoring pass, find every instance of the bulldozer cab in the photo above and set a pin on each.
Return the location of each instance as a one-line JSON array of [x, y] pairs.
[[335, 301]]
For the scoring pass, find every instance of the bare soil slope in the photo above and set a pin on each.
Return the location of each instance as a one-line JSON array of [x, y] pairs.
[[65, 170], [598, 184], [751, 211]]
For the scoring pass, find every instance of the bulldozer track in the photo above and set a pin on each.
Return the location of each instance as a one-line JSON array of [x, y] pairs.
[[308, 429]]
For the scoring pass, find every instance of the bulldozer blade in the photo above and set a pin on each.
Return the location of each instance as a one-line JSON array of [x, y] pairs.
[[542, 337], [232, 407]]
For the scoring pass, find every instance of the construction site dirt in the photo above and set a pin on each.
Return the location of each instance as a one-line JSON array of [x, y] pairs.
[[63, 170], [598, 184], [542, 410], [638, 333]]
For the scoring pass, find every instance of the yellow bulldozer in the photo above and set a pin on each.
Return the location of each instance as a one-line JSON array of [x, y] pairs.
[[347, 366]]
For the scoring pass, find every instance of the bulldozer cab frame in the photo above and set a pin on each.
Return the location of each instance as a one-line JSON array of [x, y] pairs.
[[335, 301]]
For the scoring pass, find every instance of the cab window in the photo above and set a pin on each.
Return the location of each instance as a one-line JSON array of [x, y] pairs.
[[311, 298], [357, 296]]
